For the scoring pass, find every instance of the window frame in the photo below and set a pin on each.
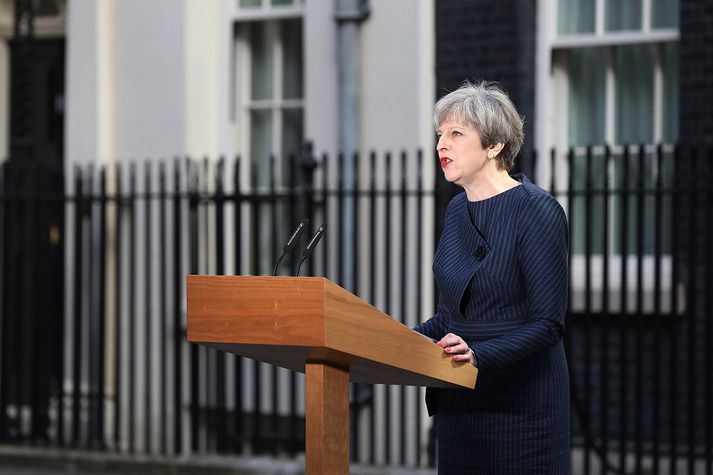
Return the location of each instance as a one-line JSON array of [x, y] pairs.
[[267, 11]]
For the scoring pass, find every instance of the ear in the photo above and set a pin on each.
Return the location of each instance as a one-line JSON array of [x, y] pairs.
[[495, 149]]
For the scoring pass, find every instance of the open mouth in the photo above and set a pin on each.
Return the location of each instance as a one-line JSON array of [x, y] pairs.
[[445, 161]]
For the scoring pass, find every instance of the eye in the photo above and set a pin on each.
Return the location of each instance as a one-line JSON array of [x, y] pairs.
[[457, 133]]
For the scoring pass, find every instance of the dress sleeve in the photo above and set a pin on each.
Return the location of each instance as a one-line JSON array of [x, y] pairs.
[[437, 326], [543, 259]]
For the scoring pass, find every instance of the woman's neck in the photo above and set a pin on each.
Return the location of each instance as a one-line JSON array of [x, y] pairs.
[[489, 183]]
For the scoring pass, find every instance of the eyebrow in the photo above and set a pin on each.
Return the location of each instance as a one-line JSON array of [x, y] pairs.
[[456, 126]]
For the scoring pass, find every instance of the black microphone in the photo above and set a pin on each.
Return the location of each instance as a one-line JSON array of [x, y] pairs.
[[290, 243], [310, 246]]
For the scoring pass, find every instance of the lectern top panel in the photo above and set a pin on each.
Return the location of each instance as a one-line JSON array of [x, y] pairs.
[[288, 321]]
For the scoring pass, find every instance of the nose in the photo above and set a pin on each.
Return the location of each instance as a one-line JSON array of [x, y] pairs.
[[441, 144]]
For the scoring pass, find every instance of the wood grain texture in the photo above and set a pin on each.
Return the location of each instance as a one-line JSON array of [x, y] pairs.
[[327, 414], [284, 320], [256, 310], [359, 329]]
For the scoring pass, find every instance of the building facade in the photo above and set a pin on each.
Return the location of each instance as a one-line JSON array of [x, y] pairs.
[[117, 82]]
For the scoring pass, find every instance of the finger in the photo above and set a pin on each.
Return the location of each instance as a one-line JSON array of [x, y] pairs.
[[458, 349], [444, 341], [463, 358], [450, 339]]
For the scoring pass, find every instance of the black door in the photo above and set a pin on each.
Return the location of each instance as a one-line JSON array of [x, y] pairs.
[[32, 216]]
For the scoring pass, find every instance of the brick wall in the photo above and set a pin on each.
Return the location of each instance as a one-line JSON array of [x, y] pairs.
[[492, 40], [696, 72]]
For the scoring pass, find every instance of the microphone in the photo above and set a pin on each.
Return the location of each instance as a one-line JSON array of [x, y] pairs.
[[310, 246], [290, 243]]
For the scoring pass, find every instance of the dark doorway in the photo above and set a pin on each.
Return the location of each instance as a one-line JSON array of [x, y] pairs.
[[37, 102], [32, 205]]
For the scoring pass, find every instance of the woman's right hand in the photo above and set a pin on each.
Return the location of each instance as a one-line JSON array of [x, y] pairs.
[[455, 346]]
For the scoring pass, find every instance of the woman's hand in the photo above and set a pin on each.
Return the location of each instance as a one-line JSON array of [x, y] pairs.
[[454, 345]]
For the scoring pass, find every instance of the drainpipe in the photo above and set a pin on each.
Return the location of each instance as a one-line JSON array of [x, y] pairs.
[[348, 14]]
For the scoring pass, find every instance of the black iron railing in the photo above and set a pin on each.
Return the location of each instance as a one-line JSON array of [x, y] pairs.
[[93, 348]]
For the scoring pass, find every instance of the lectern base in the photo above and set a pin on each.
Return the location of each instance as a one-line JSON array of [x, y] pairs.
[[327, 414]]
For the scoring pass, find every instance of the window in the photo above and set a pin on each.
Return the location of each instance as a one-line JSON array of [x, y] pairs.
[[617, 63], [614, 99], [608, 75], [268, 85]]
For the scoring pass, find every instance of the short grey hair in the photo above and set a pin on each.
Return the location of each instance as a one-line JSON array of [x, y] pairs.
[[488, 109]]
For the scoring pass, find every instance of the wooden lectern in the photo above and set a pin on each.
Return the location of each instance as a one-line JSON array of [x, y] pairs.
[[314, 326]]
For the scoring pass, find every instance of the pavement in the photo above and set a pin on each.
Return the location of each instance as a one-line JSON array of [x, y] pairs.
[[15, 460]]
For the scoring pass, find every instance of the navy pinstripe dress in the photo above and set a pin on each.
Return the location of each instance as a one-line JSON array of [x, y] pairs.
[[501, 270]]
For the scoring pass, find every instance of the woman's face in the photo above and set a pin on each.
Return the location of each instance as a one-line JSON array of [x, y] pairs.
[[460, 152]]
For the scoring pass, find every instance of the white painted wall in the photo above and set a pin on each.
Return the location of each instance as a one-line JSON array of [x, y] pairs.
[[146, 79], [208, 37], [150, 105], [395, 68], [85, 113], [320, 70]]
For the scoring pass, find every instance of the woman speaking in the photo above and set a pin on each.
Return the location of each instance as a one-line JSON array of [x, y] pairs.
[[501, 271]]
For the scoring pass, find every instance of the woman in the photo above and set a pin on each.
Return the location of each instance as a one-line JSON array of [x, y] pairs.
[[501, 270]]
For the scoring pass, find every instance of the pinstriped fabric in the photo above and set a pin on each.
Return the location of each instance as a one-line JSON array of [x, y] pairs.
[[501, 270]]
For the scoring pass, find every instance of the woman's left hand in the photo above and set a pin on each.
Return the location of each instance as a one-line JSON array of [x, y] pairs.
[[458, 348]]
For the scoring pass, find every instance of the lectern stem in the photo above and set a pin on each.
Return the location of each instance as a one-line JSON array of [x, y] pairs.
[[327, 423]]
